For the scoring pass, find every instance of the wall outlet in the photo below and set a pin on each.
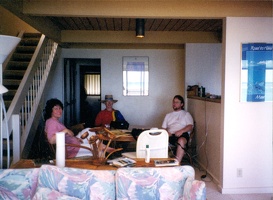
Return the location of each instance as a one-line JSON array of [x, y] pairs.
[[239, 172]]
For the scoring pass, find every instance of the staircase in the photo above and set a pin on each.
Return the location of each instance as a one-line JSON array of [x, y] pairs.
[[15, 70], [25, 76]]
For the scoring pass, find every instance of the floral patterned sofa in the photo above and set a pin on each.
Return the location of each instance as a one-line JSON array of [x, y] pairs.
[[51, 182]]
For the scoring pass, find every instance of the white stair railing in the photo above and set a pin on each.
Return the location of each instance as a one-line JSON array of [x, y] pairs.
[[21, 117], [34, 94]]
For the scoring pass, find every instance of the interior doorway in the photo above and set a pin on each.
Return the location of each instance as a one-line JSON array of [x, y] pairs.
[[80, 106]]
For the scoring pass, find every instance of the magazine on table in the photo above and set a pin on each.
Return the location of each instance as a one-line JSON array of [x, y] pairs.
[[42, 161], [168, 162], [122, 162]]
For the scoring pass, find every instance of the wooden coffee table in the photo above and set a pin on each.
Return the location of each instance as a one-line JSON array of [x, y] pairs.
[[81, 163]]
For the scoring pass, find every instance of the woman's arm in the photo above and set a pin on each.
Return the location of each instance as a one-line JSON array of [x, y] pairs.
[[52, 140], [67, 131]]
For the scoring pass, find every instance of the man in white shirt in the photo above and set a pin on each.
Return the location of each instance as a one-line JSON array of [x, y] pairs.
[[179, 124]]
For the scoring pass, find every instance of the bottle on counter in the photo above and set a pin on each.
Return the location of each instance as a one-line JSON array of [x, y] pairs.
[[147, 154], [201, 91]]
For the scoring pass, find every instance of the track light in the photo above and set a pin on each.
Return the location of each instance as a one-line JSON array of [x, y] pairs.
[[140, 28]]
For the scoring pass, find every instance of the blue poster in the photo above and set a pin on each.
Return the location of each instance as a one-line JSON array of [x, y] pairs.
[[256, 72]]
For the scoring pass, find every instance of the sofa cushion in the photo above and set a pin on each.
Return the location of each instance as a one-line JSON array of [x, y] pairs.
[[194, 190], [72, 183], [152, 183], [18, 183]]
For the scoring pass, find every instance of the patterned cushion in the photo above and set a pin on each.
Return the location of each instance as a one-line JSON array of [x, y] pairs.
[[72, 183], [194, 190], [152, 183], [18, 184], [51, 182]]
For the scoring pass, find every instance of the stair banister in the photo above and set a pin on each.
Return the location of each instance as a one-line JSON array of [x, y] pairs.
[[26, 100], [23, 89]]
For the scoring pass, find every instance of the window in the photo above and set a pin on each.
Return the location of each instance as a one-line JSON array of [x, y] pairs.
[[135, 76], [92, 84]]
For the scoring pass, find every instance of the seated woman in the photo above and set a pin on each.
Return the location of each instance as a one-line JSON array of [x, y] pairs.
[[53, 112]]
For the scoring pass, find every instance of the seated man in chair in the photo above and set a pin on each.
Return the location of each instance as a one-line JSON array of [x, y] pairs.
[[179, 124], [109, 114], [112, 118]]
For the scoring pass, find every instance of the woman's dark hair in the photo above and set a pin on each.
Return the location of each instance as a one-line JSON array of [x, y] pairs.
[[179, 97], [49, 105]]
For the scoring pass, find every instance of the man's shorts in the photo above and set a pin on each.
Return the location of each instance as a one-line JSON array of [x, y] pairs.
[[173, 139]]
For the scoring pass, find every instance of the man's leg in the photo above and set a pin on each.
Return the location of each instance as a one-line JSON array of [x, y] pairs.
[[180, 151]]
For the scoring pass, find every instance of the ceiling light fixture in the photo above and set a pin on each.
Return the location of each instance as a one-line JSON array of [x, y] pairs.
[[140, 28]]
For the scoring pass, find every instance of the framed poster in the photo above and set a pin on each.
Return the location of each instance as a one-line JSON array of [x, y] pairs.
[[135, 75], [256, 72]]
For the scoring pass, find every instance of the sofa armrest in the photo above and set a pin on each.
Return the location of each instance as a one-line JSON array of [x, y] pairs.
[[18, 183], [194, 189]]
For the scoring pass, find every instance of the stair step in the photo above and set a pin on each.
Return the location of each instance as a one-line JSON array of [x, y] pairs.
[[16, 65], [29, 41], [21, 57], [10, 82], [14, 74], [25, 49], [32, 35]]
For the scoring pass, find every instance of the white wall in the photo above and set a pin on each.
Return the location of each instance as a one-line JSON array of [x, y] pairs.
[[166, 76], [247, 129], [203, 66]]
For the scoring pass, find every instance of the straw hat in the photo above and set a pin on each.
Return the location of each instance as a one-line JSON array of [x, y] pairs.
[[108, 97]]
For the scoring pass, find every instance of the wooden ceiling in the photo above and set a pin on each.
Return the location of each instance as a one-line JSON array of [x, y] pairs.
[[111, 23], [129, 24]]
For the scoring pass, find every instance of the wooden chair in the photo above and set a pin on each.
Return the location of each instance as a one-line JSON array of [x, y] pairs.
[[189, 149], [52, 147], [77, 128]]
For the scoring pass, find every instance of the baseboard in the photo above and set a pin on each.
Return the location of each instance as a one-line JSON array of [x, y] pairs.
[[248, 190], [264, 190], [214, 179]]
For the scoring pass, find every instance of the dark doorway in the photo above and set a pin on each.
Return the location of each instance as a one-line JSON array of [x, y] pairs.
[[79, 106]]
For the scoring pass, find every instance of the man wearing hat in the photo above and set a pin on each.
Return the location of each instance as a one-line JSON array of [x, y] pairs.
[[109, 114]]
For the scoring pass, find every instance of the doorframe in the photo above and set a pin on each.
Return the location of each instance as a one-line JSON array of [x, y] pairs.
[[73, 69]]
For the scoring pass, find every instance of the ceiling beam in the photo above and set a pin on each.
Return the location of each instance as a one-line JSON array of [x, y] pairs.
[[122, 46], [128, 37], [148, 8]]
